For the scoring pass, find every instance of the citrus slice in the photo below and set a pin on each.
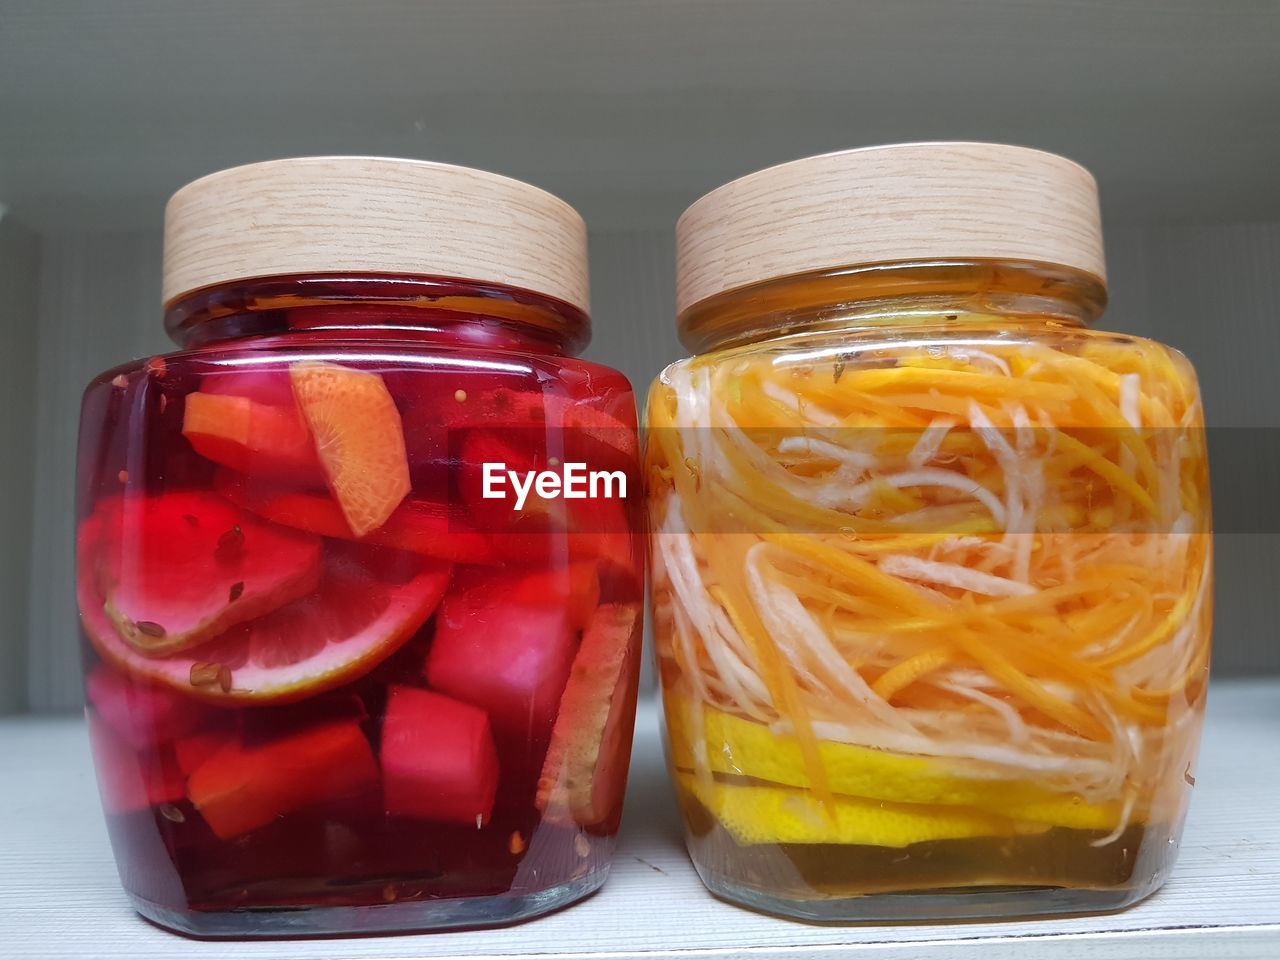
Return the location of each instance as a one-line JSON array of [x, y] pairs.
[[177, 569], [368, 602], [739, 747], [585, 772], [762, 814], [359, 436]]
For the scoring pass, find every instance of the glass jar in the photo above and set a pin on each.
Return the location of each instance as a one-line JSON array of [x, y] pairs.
[[931, 558], [334, 685]]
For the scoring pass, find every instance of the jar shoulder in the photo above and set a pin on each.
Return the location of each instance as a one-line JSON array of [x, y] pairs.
[[1073, 357]]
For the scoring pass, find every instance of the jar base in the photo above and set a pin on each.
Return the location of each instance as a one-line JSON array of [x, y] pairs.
[[976, 903], [404, 917]]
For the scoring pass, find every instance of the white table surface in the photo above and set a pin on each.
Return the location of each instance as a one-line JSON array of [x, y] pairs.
[[59, 895]]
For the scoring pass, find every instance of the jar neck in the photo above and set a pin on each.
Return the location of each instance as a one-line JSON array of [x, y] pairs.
[[952, 292], [379, 307]]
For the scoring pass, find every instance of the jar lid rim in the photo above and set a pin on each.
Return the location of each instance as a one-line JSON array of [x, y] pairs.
[[372, 214], [893, 202]]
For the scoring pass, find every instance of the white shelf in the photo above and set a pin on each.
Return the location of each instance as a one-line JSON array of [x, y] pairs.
[[59, 895]]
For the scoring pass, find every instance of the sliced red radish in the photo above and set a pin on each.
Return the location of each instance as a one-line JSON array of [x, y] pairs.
[[368, 602], [421, 526], [550, 424], [127, 779], [575, 586], [438, 758], [261, 385], [194, 750], [510, 659], [262, 440], [141, 712], [241, 788], [359, 436], [584, 775], [176, 569]]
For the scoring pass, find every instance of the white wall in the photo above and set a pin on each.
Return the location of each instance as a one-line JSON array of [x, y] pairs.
[[1212, 290], [99, 298], [19, 271]]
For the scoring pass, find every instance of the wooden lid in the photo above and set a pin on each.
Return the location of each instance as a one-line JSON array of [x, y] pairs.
[[372, 215], [911, 201]]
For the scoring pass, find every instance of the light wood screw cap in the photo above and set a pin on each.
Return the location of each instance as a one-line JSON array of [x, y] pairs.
[[911, 201], [372, 215]]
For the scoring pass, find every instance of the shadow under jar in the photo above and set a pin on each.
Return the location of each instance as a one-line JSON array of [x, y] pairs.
[[931, 558], [332, 685]]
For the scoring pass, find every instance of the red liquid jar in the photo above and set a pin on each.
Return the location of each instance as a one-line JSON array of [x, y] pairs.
[[341, 676]]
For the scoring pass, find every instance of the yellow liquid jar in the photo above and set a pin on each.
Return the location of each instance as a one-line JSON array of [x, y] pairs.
[[932, 585]]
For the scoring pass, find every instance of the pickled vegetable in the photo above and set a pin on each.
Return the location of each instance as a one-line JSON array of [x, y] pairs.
[[948, 594]]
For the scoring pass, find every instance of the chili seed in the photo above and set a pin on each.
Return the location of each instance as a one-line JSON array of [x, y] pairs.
[[150, 628]]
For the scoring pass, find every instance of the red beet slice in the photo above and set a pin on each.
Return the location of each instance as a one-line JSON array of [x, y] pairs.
[[241, 788], [177, 569], [142, 713], [421, 526], [438, 758], [129, 780], [511, 659], [584, 775]]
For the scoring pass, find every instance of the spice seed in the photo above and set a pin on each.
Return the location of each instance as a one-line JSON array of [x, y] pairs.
[[123, 476], [204, 674], [460, 396], [515, 843], [150, 628], [172, 813], [237, 589], [224, 678], [119, 381], [389, 893], [581, 845]]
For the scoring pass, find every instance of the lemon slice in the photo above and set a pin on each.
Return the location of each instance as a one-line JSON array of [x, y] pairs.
[[741, 747], [761, 814]]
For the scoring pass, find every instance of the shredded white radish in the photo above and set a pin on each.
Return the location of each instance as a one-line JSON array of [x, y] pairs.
[[954, 575], [931, 439], [930, 477]]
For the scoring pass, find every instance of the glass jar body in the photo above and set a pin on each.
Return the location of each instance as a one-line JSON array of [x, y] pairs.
[[331, 687], [931, 602]]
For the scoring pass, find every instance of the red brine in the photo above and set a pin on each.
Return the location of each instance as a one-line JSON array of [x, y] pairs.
[[321, 672]]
